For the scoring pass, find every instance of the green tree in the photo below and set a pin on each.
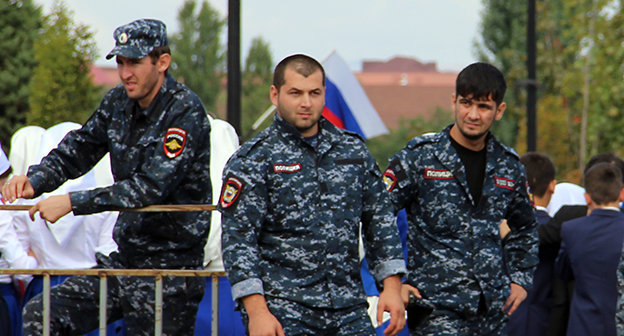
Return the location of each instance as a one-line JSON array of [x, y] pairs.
[[503, 43], [19, 23], [605, 117], [198, 54], [256, 80], [579, 71], [61, 87]]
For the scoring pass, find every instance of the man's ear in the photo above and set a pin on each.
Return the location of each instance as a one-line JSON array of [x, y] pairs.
[[588, 200], [500, 110], [273, 93], [163, 62], [551, 186]]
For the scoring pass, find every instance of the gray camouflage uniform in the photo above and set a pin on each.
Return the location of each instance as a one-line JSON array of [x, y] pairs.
[[291, 214], [454, 246], [159, 155]]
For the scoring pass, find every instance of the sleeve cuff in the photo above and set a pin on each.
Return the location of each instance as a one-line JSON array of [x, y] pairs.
[[79, 201], [246, 288], [523, 279], [388, 268]]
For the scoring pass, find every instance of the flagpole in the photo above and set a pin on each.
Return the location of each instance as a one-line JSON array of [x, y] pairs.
[[328, 56], [263, 117]]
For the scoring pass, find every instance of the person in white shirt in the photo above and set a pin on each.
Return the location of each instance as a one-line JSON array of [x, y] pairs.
[[10, 317], [566, 193], [72, 242], [25, 148], [223, 143]]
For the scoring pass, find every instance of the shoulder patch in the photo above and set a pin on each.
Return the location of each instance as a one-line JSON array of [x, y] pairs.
[[389, 179], [232, 188], [174, 142]]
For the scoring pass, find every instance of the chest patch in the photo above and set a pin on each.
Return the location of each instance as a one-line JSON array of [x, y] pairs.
[[438, 174], [389, 179], [231, 190], [287, 168], [174, 142], [504, 182]]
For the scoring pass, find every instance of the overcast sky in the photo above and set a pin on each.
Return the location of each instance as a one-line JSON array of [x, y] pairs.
[[441, 31]]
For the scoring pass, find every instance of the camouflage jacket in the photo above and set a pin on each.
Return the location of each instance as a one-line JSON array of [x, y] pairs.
[[291, 216], [159, 155], [454, 246]]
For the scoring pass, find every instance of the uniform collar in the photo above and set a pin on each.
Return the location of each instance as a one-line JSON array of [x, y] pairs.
[[329, 135]]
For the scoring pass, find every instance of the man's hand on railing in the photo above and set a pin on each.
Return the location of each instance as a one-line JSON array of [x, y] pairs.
[[52, 208], [17, 187]]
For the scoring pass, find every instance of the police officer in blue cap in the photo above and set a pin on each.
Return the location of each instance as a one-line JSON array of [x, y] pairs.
[[157, 133]]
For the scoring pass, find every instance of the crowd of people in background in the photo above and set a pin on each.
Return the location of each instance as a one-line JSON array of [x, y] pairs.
[[488, 242]]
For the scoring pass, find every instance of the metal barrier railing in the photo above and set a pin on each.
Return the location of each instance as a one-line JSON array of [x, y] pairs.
[[103, 273], [103, 296]]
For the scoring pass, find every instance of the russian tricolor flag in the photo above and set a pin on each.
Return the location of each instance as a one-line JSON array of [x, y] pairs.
[[346, 103]]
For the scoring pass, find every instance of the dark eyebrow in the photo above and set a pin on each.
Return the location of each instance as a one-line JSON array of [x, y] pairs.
[[485, 104]]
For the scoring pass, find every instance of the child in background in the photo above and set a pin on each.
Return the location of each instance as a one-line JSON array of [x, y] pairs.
[[531, 317], [591, 248]]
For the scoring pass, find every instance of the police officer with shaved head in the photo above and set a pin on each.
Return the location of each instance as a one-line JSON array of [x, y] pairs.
[[292, 203], [157, 133]]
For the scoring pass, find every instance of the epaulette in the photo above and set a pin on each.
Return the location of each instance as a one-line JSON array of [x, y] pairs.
[[422, 139], [353, 134], [509, 150], [252, 143]]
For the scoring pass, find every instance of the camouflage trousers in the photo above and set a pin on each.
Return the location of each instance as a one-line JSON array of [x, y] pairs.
[[487, 322], [75, 305], [298, 319]]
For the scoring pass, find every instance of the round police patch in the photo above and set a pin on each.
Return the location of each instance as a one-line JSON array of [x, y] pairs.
[[174, 142], [230, 192], [389, 179], [123, 38]]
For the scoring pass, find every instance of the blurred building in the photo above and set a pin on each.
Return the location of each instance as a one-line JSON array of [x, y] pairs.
[[104, 76], [404, 88]]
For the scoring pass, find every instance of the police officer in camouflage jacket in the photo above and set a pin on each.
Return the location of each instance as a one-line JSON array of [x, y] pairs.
[[457, 186], [292, 202], [157, 133]]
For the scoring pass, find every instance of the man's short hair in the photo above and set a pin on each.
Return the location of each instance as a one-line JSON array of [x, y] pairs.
[[158, 51], [603, 183], [606, 157], [480, 80], [540, 172], [302, 64]]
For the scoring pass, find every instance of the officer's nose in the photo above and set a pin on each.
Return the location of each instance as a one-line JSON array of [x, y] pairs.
[[306, 101], [124, 71], [473, 113]]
